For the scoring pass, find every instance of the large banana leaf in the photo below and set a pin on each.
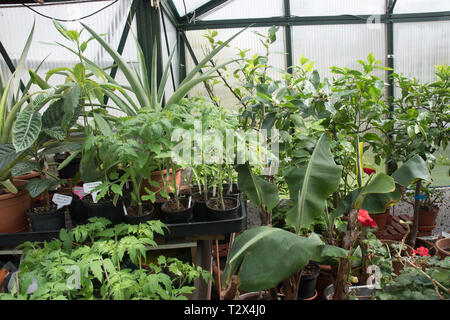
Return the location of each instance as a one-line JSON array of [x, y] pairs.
[[311, 185], [412, 170], [266, 256], [377, 201], [259, 191]]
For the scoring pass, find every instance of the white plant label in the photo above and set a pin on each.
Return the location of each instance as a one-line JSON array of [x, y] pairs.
[[88, 187], [61, 200], [375, 274]]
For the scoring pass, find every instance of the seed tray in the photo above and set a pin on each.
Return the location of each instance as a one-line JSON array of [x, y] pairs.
[[176, 230]]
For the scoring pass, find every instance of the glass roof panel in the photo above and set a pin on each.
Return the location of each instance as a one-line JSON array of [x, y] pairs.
[[237, 9], [336, 7], [186, 6], [420, 6]]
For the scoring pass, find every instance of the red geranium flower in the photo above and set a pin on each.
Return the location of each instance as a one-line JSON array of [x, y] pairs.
[[369, 171], [421, 251], [365, 219]]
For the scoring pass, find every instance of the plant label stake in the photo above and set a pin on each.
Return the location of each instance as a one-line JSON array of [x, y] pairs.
[[61, 200], [214, 191], [190, 200], [79, 191], [88, 187], [124, 208]]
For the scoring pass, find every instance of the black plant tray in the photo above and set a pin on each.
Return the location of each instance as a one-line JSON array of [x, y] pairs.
[[178, 230]]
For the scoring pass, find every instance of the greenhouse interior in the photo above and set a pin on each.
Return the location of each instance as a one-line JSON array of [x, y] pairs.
[[225, 150]]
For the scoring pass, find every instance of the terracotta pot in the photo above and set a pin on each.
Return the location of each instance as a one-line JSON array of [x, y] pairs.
[[396, 264], [156, 176], [12, 209], [380, 219], [443, 247], [425, 228], [427, 218], [28, 176], [324, 280]]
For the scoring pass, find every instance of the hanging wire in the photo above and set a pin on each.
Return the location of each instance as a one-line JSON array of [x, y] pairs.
[[68, 20]]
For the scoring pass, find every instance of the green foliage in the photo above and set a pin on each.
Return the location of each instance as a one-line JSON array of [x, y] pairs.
[[416, 284], [110, 263]]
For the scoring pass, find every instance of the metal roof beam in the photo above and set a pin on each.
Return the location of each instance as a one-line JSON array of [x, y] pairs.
[[317, 20]]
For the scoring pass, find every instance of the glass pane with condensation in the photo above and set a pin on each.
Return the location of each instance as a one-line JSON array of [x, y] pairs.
[[18, 20], [187, 6], [339, 45], [246, 40], [238, 9], [421, 6], [336, 7]]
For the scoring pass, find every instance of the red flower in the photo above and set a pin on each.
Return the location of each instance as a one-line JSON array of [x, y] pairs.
[[365, 219], [421, 251], [369, 171]]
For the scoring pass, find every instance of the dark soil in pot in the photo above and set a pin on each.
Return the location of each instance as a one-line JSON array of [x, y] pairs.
[[105, 208], [133, 216], [171, 213], [44, 219], [217, 213]]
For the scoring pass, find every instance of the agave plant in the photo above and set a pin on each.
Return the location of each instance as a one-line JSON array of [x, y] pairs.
[[147, 92]]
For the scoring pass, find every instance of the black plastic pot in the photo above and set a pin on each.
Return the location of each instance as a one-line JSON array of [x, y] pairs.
[[200, 210], [69, 171], [308, 282], [234, 190], [106, 209], [181, 216], [218, 214], [47, 221], [78, 214], [148, 215]]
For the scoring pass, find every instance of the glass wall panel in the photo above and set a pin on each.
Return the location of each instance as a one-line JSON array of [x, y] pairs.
[[419, 47], [339, 45]]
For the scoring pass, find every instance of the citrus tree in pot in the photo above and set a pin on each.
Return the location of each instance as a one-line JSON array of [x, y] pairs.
[[419, 125]]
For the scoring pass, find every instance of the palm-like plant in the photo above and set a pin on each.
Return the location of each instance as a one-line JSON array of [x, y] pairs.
[[147, 92]]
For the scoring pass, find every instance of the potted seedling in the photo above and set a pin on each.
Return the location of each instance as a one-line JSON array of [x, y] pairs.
[[126, 148], [202, 174], [222, 206]]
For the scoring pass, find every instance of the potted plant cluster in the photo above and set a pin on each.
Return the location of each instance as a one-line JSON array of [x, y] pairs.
[[333, 188], [130, 170]]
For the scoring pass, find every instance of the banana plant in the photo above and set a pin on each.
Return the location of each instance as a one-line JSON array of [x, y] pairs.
[[146, 90]]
